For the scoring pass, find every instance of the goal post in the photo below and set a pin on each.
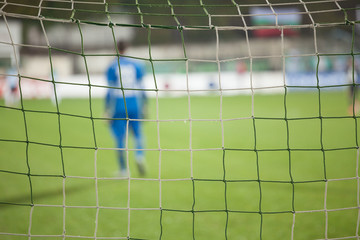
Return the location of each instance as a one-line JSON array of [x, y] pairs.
[[250, 129]]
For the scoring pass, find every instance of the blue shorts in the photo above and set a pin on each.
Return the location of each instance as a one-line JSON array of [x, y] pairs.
[[118, 127]]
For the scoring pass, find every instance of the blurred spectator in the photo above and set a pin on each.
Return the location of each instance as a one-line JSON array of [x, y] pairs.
[[55, 88], [352, 76], [321, 64]]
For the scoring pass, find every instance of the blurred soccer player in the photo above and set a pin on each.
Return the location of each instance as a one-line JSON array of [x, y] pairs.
[[126, 105], [353, 78], [55, 88], [11, 94]]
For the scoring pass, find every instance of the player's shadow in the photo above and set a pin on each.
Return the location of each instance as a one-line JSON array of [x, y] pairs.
[[25, 198]]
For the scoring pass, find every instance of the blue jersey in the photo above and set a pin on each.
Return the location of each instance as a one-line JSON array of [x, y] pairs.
[[132, 73]]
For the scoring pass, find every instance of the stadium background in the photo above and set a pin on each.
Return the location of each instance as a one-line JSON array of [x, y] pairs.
[[167, 44]]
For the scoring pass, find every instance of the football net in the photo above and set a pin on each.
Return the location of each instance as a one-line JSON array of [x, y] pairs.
[[251, 131]]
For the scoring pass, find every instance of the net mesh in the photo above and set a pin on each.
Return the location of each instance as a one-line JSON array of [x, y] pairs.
[[189, 21]]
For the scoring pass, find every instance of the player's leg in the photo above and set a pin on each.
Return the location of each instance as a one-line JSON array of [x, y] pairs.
[[136, 127], [139, 140], [118, 128], [356, 100], [352, 109]]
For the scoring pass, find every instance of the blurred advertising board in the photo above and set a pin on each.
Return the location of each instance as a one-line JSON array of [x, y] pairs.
[[265, 16]]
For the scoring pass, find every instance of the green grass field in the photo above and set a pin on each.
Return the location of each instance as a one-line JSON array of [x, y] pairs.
[[268, 168]]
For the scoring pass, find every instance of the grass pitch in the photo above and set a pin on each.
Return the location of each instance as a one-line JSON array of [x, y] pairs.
[[249, 175]]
